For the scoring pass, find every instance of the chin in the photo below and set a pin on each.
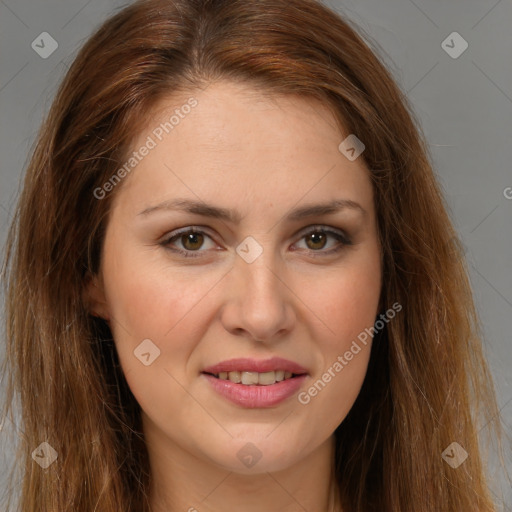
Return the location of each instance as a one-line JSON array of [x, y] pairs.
[[257, 454]]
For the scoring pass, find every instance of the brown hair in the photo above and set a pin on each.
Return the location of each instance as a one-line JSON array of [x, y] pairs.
[[427, 374]]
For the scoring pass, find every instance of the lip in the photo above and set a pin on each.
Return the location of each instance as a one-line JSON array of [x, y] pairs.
[[256, 396], [254, 365]]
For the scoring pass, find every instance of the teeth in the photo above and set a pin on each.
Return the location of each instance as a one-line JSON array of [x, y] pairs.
[[235, 377], [279, 375], [255, 378], [249, 378]]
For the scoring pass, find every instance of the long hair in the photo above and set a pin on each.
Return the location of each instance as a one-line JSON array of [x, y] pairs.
[[427, 383]]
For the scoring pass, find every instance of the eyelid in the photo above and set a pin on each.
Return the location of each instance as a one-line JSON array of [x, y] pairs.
[[326, 229]]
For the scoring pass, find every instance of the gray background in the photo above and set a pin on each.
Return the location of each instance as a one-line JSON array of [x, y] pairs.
[[464, 105]]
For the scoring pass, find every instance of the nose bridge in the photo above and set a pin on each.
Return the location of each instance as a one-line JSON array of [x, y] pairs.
[[260, 279], [258, 264], [260, 302]]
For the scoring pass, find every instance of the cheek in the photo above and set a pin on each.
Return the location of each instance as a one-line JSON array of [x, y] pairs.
[[164, 307], [332, 394], [148, 299], [149, 296], [347, 304], [348, 308], [346, 301]]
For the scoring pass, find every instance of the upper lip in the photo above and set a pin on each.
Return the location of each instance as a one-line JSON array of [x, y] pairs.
[[254, 365]]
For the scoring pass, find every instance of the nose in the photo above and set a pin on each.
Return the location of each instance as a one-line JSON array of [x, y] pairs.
[[259, 303]]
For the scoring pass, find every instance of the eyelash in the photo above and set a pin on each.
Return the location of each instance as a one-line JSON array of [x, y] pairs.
[[339, 236]]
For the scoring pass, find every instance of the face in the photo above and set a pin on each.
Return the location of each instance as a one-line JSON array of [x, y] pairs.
[[213, 252]]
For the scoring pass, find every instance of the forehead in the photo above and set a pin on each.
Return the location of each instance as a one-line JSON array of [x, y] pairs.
[[224, 107], [241, 142]]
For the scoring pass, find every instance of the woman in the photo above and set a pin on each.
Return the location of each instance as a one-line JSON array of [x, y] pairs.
[[232, 280]]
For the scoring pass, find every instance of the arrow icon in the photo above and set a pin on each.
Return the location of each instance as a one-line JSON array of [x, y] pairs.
[[147, 352], [249, 249], [249, 455], [44, 45], [454, 45], [454, 455], [351, 147], [44, 455]]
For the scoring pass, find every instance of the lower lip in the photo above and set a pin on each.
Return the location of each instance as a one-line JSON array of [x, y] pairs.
[[256, 396]]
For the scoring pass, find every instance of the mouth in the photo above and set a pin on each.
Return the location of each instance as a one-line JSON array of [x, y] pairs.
[[255, 390], [251, 372], [249, 378]]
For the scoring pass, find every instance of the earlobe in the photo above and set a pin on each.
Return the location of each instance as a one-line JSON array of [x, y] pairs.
[[93, 297]]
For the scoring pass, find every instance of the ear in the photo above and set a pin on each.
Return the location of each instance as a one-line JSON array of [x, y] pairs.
[[93, 297]]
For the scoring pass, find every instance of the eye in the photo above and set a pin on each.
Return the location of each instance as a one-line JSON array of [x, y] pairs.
[[191, 240], [316, 240]]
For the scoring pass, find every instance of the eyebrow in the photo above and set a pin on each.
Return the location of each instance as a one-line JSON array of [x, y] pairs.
[[233, 216]]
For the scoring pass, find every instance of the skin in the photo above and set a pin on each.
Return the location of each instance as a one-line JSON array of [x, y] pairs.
[[263, 156]]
